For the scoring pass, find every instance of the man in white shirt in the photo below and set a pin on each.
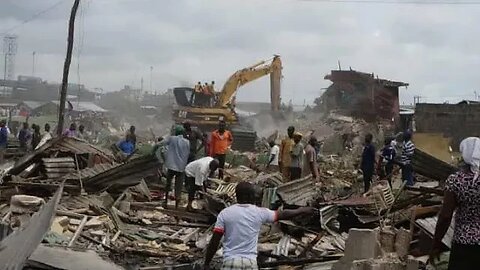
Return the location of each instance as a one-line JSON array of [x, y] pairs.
[[197, 172], [240, 225], [273, 160]]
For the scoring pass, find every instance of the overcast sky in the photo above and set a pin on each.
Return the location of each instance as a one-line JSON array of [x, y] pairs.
[[435, 48]]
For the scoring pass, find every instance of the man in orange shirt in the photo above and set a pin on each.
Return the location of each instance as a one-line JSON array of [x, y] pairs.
[[220, 141]]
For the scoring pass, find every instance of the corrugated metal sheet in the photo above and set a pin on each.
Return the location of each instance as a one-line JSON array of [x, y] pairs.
[[91, 172], [17, 247], [124, 175], [431, 167], [83, 106], [428, 225], [62, 144], [298, 192]]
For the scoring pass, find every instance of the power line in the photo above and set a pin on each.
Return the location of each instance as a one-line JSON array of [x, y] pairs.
[[399, 2], [33, 17]]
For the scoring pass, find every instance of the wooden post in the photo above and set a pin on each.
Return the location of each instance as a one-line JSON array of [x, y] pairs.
[[66, 67]]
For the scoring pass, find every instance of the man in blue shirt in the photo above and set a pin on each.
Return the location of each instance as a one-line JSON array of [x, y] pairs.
[[388, 160], [176, 159], [127, 146], [368, 161], [3, 140]]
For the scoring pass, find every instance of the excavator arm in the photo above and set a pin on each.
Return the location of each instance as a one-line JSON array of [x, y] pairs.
[[246, 75]]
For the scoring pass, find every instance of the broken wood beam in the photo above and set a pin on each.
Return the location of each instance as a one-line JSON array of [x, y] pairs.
[[297, 262], [436, 191], [311, 244], [185, 225], [78, 231]]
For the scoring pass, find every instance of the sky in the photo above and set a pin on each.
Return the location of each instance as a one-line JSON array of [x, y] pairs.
[[433, 47]]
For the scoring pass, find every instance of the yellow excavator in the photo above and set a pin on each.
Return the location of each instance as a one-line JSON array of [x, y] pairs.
[[204, 109]]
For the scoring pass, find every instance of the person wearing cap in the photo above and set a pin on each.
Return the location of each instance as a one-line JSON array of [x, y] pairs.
[[297, 157], [193, 136], [285, 159], [176, 159], [220, 141]]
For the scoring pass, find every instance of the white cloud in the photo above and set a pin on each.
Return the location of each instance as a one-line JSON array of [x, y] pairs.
[[434, 48]]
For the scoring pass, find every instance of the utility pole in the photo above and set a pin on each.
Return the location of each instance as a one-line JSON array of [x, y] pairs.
[[33, 63], [151, 76], [66, 67]]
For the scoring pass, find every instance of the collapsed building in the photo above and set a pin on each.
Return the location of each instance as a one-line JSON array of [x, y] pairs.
[[362, 95]]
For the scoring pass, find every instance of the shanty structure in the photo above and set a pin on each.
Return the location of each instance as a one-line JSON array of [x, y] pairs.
[[51, 108], [363, 95]]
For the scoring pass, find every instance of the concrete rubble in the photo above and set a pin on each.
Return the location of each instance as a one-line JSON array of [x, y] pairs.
[[110, 212]]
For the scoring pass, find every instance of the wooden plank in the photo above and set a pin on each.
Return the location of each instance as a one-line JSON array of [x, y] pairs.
[[57, 160], [59, 165], [78, 232], [55, 175], [59, 170]]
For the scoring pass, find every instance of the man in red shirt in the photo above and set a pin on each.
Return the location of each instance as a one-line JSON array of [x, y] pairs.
[[220, 141]]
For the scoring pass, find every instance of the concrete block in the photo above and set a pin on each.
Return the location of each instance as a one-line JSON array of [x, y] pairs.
[[402, 243], [362, 244], [387, 240], [412, 264]]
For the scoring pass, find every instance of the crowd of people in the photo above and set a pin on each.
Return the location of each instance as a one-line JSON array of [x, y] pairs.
[[180, 156], [292, 158], [397, 151]]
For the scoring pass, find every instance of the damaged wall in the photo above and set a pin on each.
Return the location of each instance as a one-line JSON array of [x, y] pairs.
[[362, 95], [457, 121]]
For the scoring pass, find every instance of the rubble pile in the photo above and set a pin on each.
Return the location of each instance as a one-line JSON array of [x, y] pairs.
[[72, 205]]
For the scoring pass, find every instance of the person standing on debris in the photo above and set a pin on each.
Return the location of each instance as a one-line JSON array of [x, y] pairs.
[[240, 224], [193, 136], [274, 156], [297, 157], [36, 137], [132, 135], [368, 162], [3, 140], [408, 151], [47, 135], [71, 132], [197, 172], [388, 160], [285, 147], [220, 142], [178, 150], [24, 137], [311, 166], [81, 132], [462, 196]]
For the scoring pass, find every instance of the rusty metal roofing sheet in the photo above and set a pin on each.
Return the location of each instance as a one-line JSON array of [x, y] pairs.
[[298, 192], [18, 246], [428, 225]]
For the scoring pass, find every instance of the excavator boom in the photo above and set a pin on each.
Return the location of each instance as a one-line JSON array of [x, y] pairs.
[[250, 74]]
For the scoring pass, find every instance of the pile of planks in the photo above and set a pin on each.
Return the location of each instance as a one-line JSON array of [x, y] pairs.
[[58, 167]]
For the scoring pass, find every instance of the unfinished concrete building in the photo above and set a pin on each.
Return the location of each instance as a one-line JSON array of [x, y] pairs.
[[456, 121], [362, 95]]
